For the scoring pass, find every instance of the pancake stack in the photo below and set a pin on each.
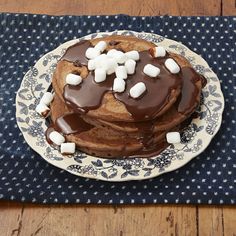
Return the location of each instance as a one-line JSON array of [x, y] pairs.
[[106, 123]]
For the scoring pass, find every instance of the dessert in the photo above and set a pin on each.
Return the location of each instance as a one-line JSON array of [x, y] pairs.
[[120, 96]]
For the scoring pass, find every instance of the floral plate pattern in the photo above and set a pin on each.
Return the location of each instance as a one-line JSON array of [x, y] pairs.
[[194, 139]]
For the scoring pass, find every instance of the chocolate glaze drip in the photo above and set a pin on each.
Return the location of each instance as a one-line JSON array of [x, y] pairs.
[[76, 52], [88, 95], [69, 123], [72, 123]]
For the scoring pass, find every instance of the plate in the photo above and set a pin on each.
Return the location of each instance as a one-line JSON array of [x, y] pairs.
[[195, 137]]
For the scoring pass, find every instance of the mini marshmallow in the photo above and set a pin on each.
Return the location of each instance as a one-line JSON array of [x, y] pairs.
[[68, 148], [56, 138], [92, 64], [110, 66], [151, 70], [137, 90], [158, 51], [91, 53], [120, 57], [118, 85], [133, 55], [173, 137], [73, 79], [172, 66], [100, 61], [111, 53], [121, 72], [101, 46], [42, 109], [130, 66], [100, 75], [46, 98]]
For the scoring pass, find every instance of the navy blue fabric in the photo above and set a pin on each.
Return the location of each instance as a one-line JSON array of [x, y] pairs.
[[25, 176]]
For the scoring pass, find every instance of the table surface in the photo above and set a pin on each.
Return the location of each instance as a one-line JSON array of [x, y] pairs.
[[20, 219]]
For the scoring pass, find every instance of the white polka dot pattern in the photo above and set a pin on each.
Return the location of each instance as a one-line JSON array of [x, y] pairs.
[[24, 176]]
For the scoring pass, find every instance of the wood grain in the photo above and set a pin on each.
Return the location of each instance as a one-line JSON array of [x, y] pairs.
[[229, 7], [210, 220], [131, 7], [98, 220], [19, 219], [229, 214]]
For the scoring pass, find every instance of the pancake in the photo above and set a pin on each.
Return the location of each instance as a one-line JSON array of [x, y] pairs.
[[113, 125]]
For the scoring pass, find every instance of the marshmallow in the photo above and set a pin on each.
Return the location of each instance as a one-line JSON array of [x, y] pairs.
[[73, 79], [111, 52], [120, 57], [68, 148], [133, 55], [101, 46], [92, 64], [121, 72], [110, 66], [100, 61], [151, 70], [56, 138], [137, 90], [91, 53], [173, 137], [100, 75], [130, 66], [118, 85], [172, 66], [42, 109], [46, 98], [158, 52]]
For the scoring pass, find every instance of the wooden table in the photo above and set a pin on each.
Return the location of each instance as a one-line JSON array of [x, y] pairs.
[[18, 219]]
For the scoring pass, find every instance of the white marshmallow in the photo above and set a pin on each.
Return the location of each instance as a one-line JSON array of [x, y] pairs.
[[111, 53], [100, 75], [121, 72], [73, 79], [120, 57], [130, 66], [133, 55], [91, 53], [137, 90], [91, 64], [173, 137], [56, 138], [151, 70], [46, 98], [158, 51], [118, 85], [100, 61], [68, 148], [172, 66], [110, 66], [42, 109], [101, 46]]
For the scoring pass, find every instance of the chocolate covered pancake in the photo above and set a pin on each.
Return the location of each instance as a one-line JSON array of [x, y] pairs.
[[129, 121]]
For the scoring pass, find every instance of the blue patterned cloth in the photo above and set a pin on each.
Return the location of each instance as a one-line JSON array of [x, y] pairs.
[[25, 176]]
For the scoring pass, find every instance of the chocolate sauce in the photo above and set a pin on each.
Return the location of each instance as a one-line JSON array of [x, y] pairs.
[[88, 95], [70, 123], [189, 91], [158, 89], [76, 52]]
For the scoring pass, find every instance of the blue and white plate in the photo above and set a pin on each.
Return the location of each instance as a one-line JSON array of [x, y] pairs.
[[195, 138]]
